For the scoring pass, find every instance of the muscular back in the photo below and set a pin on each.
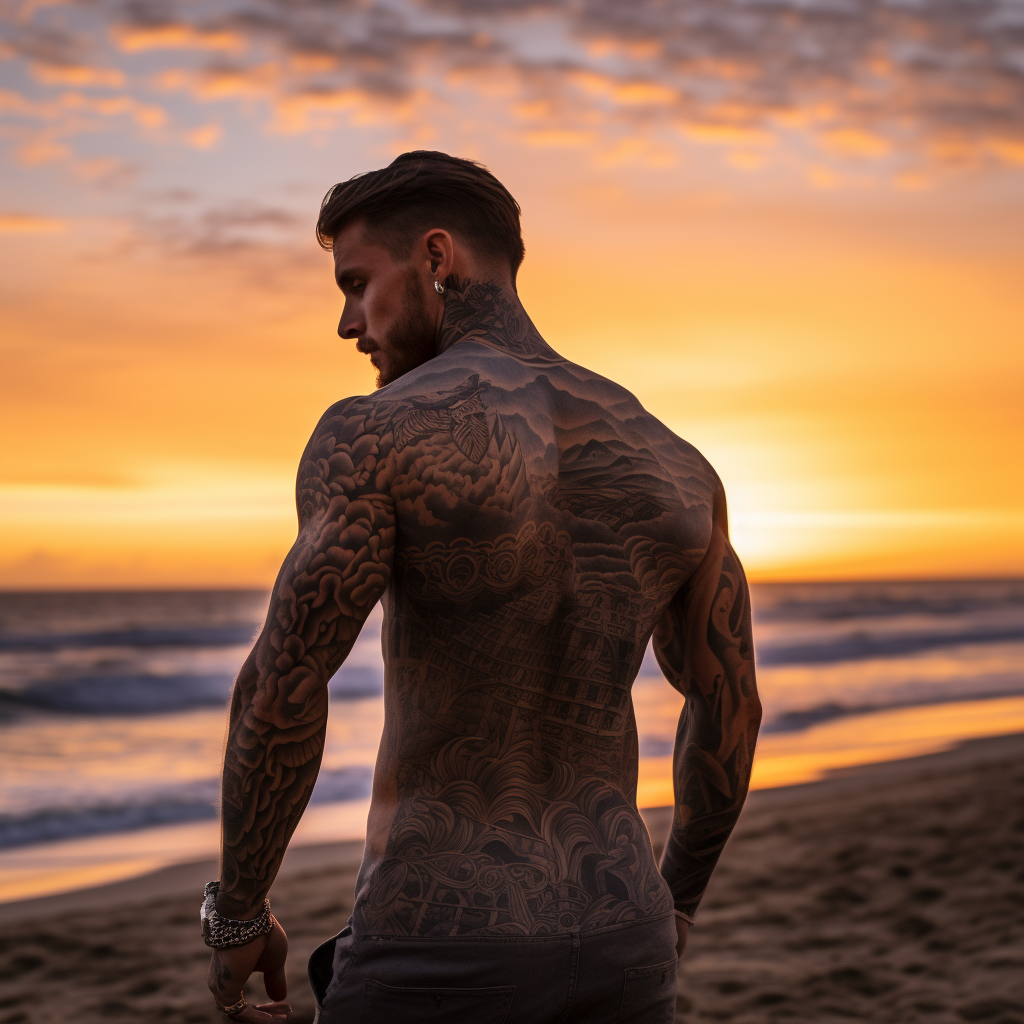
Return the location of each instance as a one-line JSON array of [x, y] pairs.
[[527, 525]]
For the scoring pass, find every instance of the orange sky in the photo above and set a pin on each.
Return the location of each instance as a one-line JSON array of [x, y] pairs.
[[811, 271]]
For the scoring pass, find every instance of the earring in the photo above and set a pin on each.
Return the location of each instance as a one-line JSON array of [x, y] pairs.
[[439, 288]]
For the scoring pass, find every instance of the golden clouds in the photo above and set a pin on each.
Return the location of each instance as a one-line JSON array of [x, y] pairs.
[[27, 223], [205, 137], [1010, 150], [78, 75], [628, 92], [645, 152], [42, 150], [899, 85], [572, 138], [317, 109], [728, 132], [174, 36], [75, 102], [855, 142], [44, 128]]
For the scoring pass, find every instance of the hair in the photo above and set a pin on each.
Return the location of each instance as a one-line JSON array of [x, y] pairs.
[[426, 189]]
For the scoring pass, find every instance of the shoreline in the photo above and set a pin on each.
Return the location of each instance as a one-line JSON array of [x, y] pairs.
[[783, 760], [189, 877]]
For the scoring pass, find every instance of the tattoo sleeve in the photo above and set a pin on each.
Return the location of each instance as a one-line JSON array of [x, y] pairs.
[[705, 648], [334, 574]]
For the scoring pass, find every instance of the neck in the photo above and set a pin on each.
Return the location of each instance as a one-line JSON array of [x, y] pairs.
[[485, 311]]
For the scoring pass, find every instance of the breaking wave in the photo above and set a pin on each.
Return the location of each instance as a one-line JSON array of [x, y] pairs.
[[192, 801]]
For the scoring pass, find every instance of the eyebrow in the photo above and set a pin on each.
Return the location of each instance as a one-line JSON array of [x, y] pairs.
[[348, 276]]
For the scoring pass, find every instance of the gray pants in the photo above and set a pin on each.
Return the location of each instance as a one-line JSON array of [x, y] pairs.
[[624, 972]]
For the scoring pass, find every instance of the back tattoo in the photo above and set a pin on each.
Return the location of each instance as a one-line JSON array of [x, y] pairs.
[[528, 527]]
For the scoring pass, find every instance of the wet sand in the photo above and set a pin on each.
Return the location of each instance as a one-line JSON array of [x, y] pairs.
[[889, 893]]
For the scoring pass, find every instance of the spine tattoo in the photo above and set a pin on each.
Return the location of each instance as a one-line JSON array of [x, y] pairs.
[[528, 526]]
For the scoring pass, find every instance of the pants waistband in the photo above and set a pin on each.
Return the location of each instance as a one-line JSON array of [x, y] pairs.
[[566, 936]]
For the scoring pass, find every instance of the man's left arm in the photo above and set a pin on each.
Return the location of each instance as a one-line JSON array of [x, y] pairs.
[[704, 645], [331, 579]]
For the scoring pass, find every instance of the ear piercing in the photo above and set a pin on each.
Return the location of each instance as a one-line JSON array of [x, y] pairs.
[[439, 288]]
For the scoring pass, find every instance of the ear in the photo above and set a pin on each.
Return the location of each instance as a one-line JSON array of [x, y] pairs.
[[439, 250]]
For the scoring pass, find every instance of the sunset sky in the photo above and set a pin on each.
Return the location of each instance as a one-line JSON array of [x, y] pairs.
[[793, 228]]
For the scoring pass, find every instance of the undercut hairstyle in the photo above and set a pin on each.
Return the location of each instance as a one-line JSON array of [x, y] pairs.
[[422, 190]]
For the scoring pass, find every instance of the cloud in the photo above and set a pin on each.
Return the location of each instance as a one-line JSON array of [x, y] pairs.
[[78, 102], [46, 44], [855, 142], [823, 177], [42, 150], [1010, 150], [205, 137], [29, 224], [78, 75], [232, 228], [42, 128], [882, 80], [146, 115], [637, 151], [559, 138], [747, 160], [174, 36], [106, 172], [628, 92], [222, 81], [727, 132]]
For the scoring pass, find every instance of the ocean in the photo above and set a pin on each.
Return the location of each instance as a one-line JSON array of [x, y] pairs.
[[112, 709]]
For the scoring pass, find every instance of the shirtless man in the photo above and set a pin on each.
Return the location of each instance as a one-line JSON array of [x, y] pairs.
[[528, 527]]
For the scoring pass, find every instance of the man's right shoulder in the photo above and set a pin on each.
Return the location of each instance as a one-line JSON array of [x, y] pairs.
[[342, 455], [347, 417]]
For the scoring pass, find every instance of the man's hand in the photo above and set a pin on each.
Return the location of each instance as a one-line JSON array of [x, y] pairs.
[[230, 969], [682, 932]]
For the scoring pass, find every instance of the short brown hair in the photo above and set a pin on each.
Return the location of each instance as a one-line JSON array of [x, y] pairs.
[[425, 189]]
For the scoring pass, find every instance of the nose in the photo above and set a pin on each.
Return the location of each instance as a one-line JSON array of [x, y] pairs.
[[352, 323]]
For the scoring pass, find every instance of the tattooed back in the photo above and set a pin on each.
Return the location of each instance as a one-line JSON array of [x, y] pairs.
[[536, 521]]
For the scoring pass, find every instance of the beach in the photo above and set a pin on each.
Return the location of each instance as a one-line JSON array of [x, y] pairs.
[[891, 892]]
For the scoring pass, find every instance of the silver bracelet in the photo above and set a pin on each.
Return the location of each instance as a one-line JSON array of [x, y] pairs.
[[222, 932]]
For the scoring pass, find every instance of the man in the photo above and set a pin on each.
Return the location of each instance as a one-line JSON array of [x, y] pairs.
[[528, 527]]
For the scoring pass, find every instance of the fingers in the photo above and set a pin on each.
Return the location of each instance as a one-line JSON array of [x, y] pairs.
[[265, 1013], [272, 961], [275, 983], [682, 933], [230, 968]]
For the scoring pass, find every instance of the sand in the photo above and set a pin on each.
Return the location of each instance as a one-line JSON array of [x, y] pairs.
[[891, 893]]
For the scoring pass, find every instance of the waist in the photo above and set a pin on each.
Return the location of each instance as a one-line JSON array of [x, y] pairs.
[[452, 866], [659, 922]]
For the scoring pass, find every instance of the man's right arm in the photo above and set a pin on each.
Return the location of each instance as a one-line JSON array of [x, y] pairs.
[[334, 574], [704, 646]]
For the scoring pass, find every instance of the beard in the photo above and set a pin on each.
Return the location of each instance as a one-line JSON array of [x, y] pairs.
[[412, 339]]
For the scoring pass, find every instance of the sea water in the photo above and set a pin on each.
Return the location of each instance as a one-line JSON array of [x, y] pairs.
[[112, 709]]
